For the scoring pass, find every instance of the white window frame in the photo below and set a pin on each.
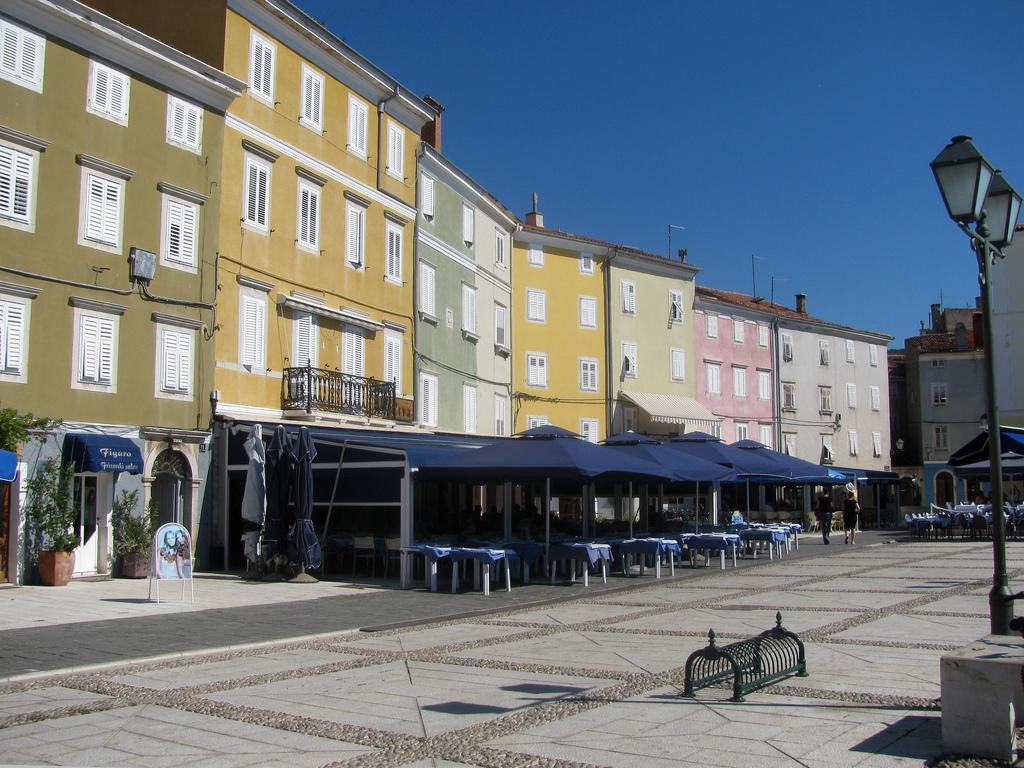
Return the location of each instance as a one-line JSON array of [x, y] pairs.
[[500, 415], [469, 408], [176, 104], [789, 388], [675, 307], [876, 444], [824, 352], [825, 399], [627, 290], [630, 352], [738, 330], [468, 224], [787, 347], [789, 443], [590, 430], [534, 421], [427, 288], [161, 389], [427, 201], [739, 381], [762, 335], [314, 117], [742, 430], [588, 310], [107, 110], [307, 320], [257, 361], [854, 443], [395, 151], [83, 226], [940, 394], [589, 374], [14, 366], [253, 163], [501, 325], [586, 263], [358, 126], [25, 42], [24, 168], [428, 400], [713, 378], [500, 242], [355, 249], [851, 351], [266, 79], [356, 366], [829, 455], [469, 311], [77, 381], [393, 360], [393, 255], [764, 385], [940, 437], [536, 305], [536, 369], [876, 398], [677, 364], [873, 355], [851, 396], [711, 325], [311, 241], [175, 212], [535, 255], [765, 435]]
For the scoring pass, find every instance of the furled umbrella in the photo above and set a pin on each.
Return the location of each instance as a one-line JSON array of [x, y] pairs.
[[280, 477], [303, 545], [254, 497]]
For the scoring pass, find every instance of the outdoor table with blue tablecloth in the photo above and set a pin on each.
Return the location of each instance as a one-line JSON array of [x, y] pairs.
[[586, 552], [773, 537], [431, 553], [711, 542], [483, 558], [648, 547], [528, 552]]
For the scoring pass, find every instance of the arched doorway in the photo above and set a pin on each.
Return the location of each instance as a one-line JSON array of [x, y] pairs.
[[945, 489], [171, 490]]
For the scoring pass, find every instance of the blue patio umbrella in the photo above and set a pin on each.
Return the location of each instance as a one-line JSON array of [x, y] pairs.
[[788, 466], [711, 448], [1011, 443], [303, 545]]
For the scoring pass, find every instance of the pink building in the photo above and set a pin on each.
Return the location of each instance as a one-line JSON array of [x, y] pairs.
[[735, 362]]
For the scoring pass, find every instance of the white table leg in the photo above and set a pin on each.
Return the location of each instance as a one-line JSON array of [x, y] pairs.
[[455, 577], [604, 570], [657, 566], [721, 554], [733, 557], [432, 574], [671, 563], [486, 568], [572, 571], [508, 576], [586, 573]]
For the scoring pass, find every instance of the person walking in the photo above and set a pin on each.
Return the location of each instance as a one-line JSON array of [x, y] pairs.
[[851, 510], [824, 514]]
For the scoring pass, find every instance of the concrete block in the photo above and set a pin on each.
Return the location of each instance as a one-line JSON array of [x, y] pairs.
[[983, 697]]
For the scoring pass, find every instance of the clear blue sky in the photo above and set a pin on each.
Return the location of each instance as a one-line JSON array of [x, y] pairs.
[[798, 132]]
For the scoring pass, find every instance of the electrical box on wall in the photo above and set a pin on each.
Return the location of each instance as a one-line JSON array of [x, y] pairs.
[[143, 264]]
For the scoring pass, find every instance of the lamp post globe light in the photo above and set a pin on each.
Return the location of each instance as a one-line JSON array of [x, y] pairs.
[[985, 207]]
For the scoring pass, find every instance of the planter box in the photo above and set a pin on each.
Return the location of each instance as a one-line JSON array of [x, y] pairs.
[[135, 565], [55, 568]]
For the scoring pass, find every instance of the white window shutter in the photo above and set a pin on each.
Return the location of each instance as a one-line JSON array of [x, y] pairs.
[[184, 362], [21, 54], [393, 362], [678, 364], [12, 335], [353, 235], [394, 258], [106, 349], [467, 224], [469, 408], [305, 340], [499, 326], [253, 331], [428, 196], [181, 233], [170, 361], [15, 183], [427, 289], [354, 360]]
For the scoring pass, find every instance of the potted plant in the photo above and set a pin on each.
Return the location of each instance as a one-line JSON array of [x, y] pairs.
[[50, 508], [133, 534]]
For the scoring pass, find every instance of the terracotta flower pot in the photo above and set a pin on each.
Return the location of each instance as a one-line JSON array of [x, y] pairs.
[[55, 568], [135, 565]]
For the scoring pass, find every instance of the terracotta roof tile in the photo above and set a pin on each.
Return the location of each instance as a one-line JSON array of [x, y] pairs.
[[602, 243]]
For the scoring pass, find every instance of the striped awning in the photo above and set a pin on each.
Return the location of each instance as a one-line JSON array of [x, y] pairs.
[[673, 409]]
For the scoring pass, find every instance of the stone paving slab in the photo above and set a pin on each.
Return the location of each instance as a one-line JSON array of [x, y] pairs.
[[145, 735], [410, 698], [884, 671], [669, 595], [419, 639], [972, 602], [856, 583], [578, 613], [744, 623], [950, 630], [861, 601], [42, 699]]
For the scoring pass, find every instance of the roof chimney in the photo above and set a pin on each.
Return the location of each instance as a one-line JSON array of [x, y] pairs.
[[431, 132], [535, 218], [936, 316], [801, 303], [682, 254]]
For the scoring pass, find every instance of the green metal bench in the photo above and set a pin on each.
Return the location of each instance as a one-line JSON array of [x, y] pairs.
[[752, 663]]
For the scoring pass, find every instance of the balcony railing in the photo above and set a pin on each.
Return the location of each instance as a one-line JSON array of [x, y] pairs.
[[316, 389]]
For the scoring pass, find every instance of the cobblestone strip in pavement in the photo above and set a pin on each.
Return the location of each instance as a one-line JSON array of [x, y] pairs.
[[467, 745]]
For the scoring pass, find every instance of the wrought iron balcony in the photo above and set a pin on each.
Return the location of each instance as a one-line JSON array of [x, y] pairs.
[[317, 389]]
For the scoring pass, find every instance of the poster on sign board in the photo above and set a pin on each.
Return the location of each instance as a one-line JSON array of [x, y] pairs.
[[172, 553]]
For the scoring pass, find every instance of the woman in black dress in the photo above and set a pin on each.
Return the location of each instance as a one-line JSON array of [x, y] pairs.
[[850, 511]]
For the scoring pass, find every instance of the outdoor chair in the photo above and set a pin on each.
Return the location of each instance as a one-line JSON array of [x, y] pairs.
[[979, 528], [392, 552], [364, 548]]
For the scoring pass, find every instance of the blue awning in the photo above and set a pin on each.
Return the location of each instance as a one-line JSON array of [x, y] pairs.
[[102, 453], [8, 466]]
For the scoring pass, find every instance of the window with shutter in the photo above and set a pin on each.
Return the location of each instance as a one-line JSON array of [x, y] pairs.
[[252, 344], [742, 430], [787, 347], [764, 385], [738, 328], [312, 103], [536, 256], [630, 361], [587, 263], [739, 382], [16, 172], [261, 68], [308, 215], [588, 312], [354, 352], [851, 395], [21, 56], [428, 400], [873, 355], [96, 353], [175, 360], [468, 408], [184, 123], [393, 362], [537, 370], [762, 335], [393, 267], [305, 341], [853, 442], [711, 326], [257, 193], [467, 224], [824, 352], [468, 308], [499, 248], [876, 398], [789, 443], [181, 225], [102, 210], [427, 289], [108, 93], [13, 330], [825, 399], [766, 436], [851, 351], [536, 305], [532, 422], [500, 408], [589, 430], [396, 151], [678, 358], [588, 375], [876, 444], [357, 120], [427, 195], [628, 297], [675, 306], [714, 378], [789, 396], [500, 331], [355, 217]]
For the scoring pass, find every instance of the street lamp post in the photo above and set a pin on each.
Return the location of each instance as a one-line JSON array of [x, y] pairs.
[[976, 194]]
